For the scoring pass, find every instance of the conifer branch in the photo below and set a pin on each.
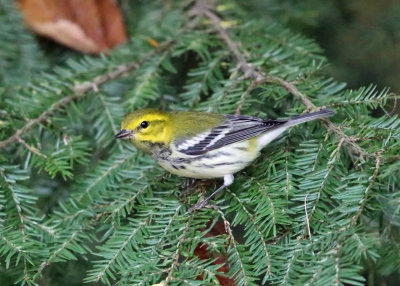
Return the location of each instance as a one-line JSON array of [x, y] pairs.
[[314, 277], [122, 247], [348, 140], [107, 172], [13, 245], [331, 164], [110, 118], [232, 242], [80, 90], [31, 148], [16, 203], [205, 270], [293, 90], [26, 275], [321, 146], [229, 87], [372, 181], [251, 218], [175, 261], [288, 184], [130, 200], [273, 212], [54, 255], [337, 264], [201, 7], [291, 261], [45, 228], [168, 226], [246, 94]]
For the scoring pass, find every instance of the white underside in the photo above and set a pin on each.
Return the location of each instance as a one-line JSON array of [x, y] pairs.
[[224, 161], [266, 138], [220, 162]]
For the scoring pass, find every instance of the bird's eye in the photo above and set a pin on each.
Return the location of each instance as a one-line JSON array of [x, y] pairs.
[[144, 124]]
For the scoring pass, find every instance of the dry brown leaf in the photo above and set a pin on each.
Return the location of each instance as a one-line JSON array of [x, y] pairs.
[[89, 26]]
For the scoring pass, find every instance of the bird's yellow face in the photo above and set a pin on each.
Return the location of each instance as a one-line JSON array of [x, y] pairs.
[[145, 125]]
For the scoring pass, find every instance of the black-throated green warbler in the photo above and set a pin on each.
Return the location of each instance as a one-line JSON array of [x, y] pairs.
[[202, 145]]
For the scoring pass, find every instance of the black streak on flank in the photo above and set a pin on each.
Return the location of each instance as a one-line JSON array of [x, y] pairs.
[[221, 164], [241, 148], [218, 154]]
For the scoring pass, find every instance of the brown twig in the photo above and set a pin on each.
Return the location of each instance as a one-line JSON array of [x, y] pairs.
[[31, 148], [293, 90], [175, 262], [249, 89], [201, 7], [232, 243], [394, 108], [372, 180]]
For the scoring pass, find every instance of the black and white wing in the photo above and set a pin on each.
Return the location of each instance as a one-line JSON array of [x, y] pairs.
[[234, 129]]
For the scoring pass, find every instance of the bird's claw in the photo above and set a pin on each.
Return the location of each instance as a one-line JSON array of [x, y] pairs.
[[198, 206]]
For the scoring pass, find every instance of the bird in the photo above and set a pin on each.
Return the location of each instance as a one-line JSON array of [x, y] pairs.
[[203, 145]]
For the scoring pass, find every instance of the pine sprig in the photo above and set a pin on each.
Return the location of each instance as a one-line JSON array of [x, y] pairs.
[[79, 90], [238, 258], [255, 235]]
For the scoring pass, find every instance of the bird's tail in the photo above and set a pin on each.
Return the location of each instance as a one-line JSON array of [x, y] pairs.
[[308, 117]]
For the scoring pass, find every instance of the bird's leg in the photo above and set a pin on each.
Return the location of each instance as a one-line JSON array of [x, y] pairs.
[[228, 180], [204, 202]]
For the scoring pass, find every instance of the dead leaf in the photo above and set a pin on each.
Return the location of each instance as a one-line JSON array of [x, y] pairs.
[[89, 26]]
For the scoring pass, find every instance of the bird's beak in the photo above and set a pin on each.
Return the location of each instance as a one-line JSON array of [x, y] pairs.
[[124, 134]]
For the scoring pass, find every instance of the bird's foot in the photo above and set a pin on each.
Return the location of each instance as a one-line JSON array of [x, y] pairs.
[[198, 206]]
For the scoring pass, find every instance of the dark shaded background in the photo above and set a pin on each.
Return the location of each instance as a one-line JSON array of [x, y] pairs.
[[360, 38]]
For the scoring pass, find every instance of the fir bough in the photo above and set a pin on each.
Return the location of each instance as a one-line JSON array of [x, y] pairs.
[[319, 207]]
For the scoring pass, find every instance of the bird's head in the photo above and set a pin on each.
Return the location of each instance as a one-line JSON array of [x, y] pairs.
[[145, 126]]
